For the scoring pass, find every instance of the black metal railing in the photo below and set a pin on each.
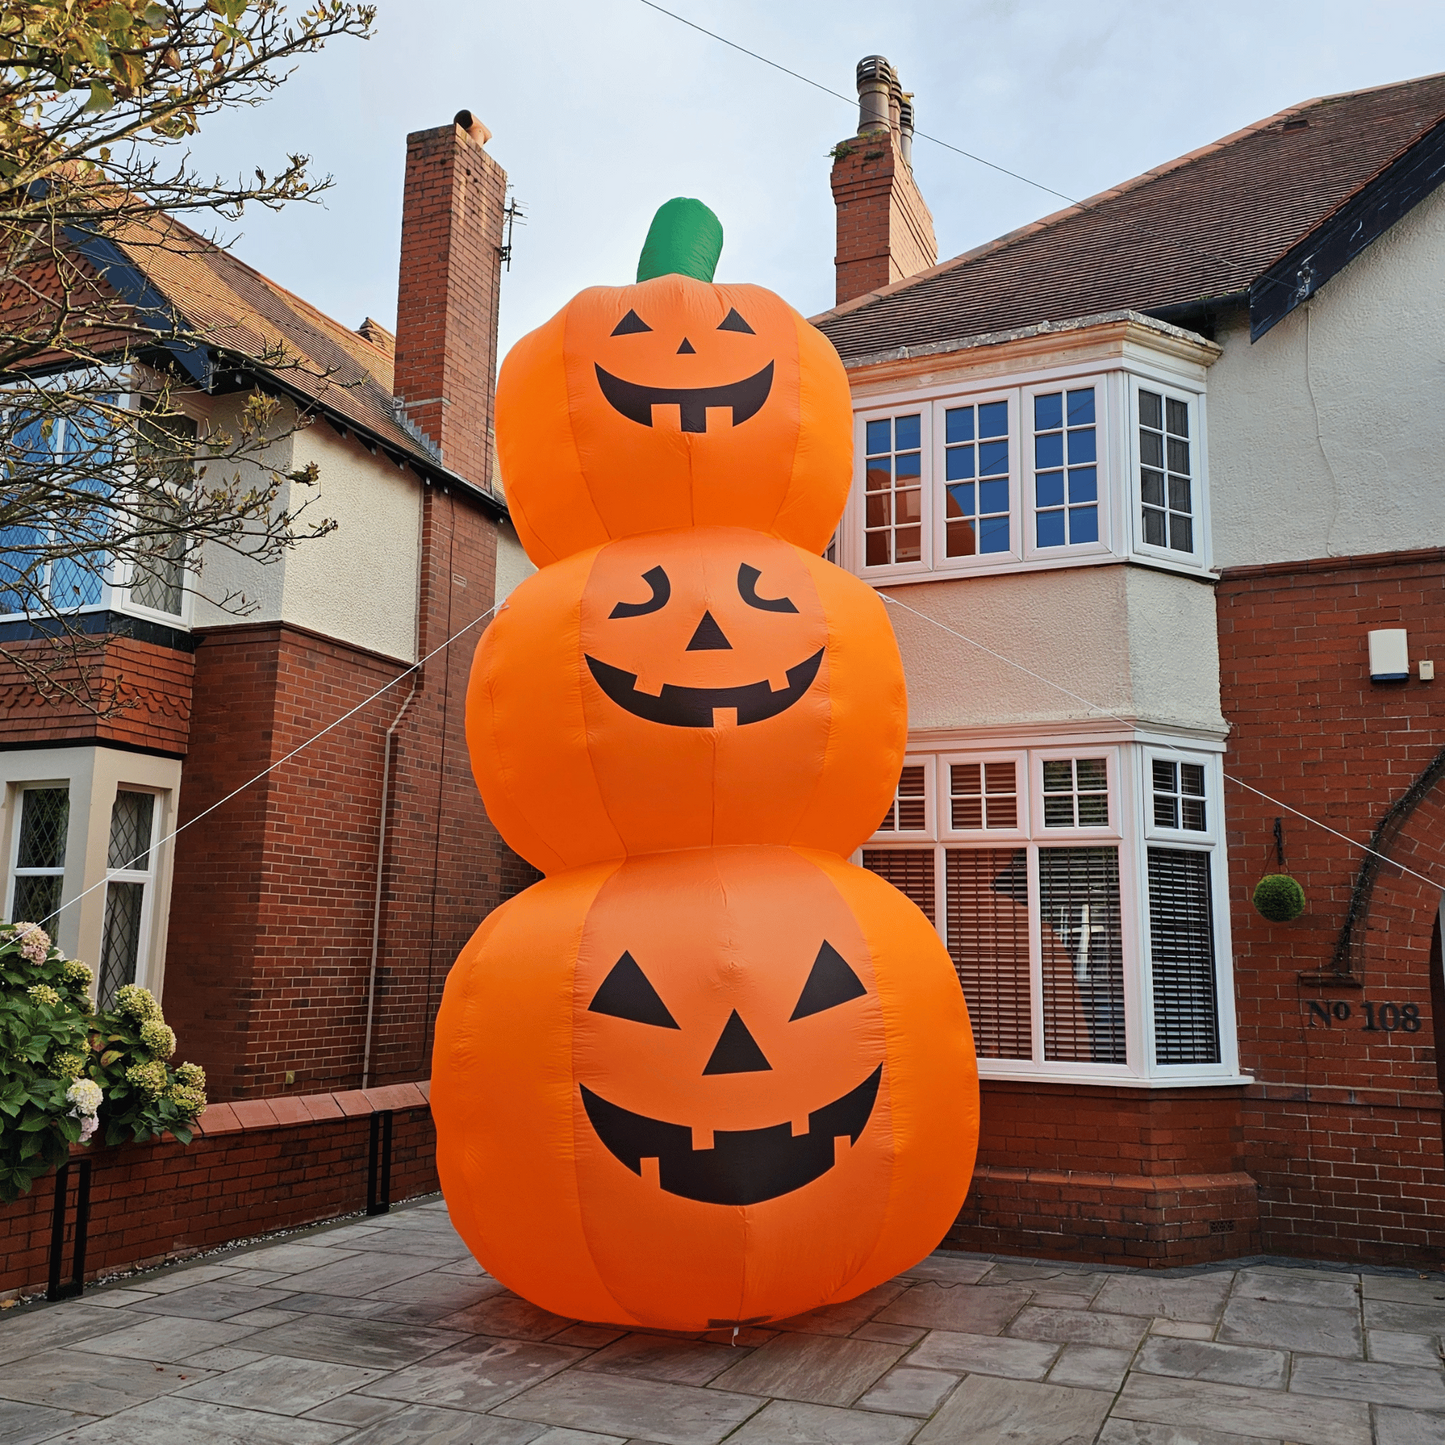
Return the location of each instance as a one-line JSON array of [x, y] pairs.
[[76, 1284], [378, 1164]]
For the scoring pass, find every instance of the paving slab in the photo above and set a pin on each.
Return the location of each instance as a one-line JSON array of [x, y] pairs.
[[1407, 1427], [945, 1270], [1423, 1289], [439, 1289], [356, 1410], [974, 1311], [1141, 1432], [844, 1318], [28, 1334], [215, 1299], [114, 1297], [1091, 1367], [1299, 1286], [1198, 1298], [476, 1374], [161, 1338], [92, 1384], [183, 1276], [1402, 1349], [985, 1355], [193, 1422], [819, 1369], [1408, 1386], [356, 1307], [661, 1357], [372, 1344], [226, 1357], [28, 1424], [280, 1384], [1421, 1319], [1236, 1410], [1016, 1412], [1182, 1330], [889, 1334], [1204, 1360], [1084, 1327], [507, 1317], [909, 1391], [293, 1258], [362, 1273], [1306, 1328], [791, 1422], [637, 1409]]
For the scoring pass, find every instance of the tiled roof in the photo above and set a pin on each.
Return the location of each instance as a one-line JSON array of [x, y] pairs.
[[235, 310], [1203, 226]]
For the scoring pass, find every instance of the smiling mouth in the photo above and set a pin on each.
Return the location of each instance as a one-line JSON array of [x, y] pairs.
[[692, 707], [744, 1166], [635, 402]]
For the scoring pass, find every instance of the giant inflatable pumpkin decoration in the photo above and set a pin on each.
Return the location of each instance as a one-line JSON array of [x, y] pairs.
[[705, 1073]]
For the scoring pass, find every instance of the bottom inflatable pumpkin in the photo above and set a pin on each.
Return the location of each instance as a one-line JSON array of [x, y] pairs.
[[704, 1088]]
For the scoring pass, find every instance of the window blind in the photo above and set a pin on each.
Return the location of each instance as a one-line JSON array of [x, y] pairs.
[[1083, 955], [988, 939], [1181, 956], [909, 870]]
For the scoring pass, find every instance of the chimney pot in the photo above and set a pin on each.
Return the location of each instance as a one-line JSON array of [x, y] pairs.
[[473, 127], [875, 85], [905, 127]]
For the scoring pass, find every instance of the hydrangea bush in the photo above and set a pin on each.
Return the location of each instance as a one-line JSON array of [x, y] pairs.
[[68, 1072]]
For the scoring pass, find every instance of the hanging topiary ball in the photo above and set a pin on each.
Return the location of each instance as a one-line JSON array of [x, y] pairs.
[[1279, 898]]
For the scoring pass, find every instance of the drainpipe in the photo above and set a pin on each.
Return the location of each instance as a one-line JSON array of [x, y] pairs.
[[381, 876]]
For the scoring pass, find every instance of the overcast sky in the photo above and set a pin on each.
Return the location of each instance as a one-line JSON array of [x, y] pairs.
[[602, 109]]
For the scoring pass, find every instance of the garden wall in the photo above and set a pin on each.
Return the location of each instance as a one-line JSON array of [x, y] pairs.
[[255, 1166]]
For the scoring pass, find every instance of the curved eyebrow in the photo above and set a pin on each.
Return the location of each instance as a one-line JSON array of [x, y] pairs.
[[748, 591], [661, 591]]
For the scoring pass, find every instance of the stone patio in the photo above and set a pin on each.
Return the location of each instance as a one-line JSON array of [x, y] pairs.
[[385, 1332]]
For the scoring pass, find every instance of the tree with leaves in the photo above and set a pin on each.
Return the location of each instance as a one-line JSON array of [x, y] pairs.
[[106, 472]]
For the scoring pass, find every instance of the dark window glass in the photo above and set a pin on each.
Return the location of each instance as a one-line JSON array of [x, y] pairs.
[[1181, 956], [1083, 956]]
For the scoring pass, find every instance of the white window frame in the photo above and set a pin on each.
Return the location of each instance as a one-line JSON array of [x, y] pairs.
[[1129, 830], [115, 593], [857, 521], [146, 878], [1106, 465], [928, 763], [17, 803], [1200, 559], [1022, 780], [937, 481]]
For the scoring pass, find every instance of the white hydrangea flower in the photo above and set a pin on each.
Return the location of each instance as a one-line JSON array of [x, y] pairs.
[[86, 1096]]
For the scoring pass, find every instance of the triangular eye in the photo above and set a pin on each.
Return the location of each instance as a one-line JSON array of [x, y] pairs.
[[830, 983], [626, 994], [732, 322], [630, 323]]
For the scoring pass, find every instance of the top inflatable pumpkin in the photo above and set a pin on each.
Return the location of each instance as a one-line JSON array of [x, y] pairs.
[[673, 403]]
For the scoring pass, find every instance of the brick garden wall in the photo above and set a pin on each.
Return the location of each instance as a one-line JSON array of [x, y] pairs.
[[254, 1168], [1343, 1126]]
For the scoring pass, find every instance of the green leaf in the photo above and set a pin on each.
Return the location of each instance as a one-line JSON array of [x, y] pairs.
[[100, 100]]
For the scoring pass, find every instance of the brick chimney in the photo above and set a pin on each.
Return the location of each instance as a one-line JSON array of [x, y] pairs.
[[885, 229], [446, 310]]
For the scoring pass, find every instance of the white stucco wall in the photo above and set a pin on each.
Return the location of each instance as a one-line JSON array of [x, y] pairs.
[[1138, 643], [359, 583], [1327, 435], [513, 564]]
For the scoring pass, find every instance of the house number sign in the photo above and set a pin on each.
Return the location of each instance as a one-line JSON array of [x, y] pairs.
[[1375, 1018]]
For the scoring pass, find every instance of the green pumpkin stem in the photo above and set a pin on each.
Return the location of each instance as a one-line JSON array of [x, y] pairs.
[[685, 239]]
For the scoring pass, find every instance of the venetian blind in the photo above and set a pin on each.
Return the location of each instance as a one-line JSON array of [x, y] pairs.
[[1181, 957]]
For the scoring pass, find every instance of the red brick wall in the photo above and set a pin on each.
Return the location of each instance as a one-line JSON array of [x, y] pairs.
[[143, 691], [446, 320], [241, 1177], [1343, 1127], [885, 229]]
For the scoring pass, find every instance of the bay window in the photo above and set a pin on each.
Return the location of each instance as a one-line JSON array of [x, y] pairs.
[[1079, 893]]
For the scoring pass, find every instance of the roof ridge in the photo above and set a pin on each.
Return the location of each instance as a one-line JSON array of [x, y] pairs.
[[1079, 208]]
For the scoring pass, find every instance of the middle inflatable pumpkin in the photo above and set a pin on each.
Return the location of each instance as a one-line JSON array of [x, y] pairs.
[[683, 690]]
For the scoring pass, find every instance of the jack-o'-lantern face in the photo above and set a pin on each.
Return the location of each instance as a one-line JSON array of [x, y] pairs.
[[673, 403], [713, 651], [686, 689]]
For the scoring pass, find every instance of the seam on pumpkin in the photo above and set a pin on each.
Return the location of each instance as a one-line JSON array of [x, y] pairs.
[[582, 711]]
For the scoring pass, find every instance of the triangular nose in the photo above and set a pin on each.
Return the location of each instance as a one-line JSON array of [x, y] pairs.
[[737, 1051], [687, 348], [709, 637]]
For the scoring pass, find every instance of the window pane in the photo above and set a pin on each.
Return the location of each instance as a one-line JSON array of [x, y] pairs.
[[1093, 774], [1193, 814], [879, 475], [1049, 451], [958, 464], [877, 554], [1164, 776], [909, 870], [1153, 527], [1166, 810], [1083, 484], [1083, 957], [1191, 778], [130, 831], [120, 942], [1058, 776], [876, 509], [1049, 489], [36, 897], [907, 464], [993, 534], [1151, 410], [1178, 456], [958, 424], [44, 822], [1081, 407], [1181, 946], [992, 458], [1178, 414], [1083, 524], [912, 804], [1049, 412], [965, 785], [993, 419], [961, 541], [909, 547], [1151, 449], [988, 939], [905, 433], [1152, 486], [1082, 446], [1181, 534], [158, 577], [1059, 811], [878, 438], [1179, 494], [993, 497]]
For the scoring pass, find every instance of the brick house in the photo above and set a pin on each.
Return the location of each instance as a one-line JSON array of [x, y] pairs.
[[300, 934], [1139, 480]]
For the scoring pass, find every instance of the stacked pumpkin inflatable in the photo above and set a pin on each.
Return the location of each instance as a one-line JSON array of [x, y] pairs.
[[706, 1072]]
